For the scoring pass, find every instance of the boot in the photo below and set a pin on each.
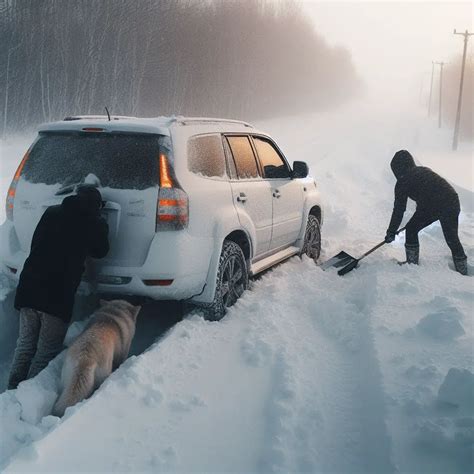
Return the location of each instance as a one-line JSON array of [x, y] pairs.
[[460, 264], [412, 253]]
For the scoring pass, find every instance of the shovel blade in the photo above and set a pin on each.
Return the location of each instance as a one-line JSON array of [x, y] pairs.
[[350, 266], [339, 260]]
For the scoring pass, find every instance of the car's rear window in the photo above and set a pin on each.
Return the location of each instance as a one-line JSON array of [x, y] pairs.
[[119, 160]]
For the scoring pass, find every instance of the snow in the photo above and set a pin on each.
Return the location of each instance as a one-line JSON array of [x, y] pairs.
[[443, 324], [309, 372], [458, 389]]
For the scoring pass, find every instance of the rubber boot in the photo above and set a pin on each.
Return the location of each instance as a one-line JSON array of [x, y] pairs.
[[412, 253], [460, 264]]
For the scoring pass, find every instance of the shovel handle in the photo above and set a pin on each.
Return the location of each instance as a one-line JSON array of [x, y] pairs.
[[351, 265], [373, 249]]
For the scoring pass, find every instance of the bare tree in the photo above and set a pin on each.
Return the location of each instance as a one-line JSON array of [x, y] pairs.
[[235, 58]]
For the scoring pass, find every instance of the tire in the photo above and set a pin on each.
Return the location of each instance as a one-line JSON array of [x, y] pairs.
[[312, 238], [232, 280]]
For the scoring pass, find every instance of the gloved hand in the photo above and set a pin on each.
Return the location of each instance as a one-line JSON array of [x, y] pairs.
[[389, 237]]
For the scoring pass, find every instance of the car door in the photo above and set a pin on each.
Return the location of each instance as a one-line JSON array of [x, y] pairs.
[[287, 193], [251, 193]]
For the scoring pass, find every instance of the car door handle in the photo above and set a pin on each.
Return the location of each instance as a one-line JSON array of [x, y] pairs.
[[276, 194], [241, 197]]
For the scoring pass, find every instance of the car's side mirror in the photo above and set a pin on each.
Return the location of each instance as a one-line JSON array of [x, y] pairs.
[[300, 169]]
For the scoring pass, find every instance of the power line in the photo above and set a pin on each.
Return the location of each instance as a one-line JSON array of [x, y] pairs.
[[466, 35]]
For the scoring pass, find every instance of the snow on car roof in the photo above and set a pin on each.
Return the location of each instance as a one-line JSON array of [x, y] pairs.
[[159, 125]]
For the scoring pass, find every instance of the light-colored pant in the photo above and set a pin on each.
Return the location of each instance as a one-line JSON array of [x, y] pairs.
[[40, 340]]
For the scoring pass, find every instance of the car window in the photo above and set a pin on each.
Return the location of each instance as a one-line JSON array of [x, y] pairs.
[[206, 156], [229, 159], [119, 160], [244, 157], [272, 163]]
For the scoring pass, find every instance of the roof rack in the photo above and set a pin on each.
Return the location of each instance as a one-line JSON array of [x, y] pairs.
[[96, 117], [188, 120], [177, 119]]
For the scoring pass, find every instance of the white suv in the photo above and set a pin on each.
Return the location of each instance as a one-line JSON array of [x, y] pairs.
[[194, 205]]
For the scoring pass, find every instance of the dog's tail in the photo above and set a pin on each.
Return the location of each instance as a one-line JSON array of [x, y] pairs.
[[78, 384]]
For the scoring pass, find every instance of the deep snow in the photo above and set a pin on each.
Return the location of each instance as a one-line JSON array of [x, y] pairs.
[[309, 371]]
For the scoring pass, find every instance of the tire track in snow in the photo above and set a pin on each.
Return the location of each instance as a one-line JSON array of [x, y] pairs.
[[325, 404]]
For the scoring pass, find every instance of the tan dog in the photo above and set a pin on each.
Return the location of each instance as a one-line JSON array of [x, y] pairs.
[[97, 351]]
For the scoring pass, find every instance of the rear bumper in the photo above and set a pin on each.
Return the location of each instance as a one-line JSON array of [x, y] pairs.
[[176, 256]]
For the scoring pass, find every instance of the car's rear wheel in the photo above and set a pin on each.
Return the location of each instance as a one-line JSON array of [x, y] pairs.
[[232, 281], [312, 238]]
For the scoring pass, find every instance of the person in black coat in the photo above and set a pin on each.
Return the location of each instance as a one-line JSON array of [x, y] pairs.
[[65, 236], [435, 200]]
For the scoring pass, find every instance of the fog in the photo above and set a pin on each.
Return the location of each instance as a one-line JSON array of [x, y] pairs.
[[393, 43], [233, 58]]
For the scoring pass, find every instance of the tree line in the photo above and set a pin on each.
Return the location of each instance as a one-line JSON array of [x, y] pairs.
[[244, 59]]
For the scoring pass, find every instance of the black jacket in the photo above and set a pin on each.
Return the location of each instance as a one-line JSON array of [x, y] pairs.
[[433, 195], [65, 235]]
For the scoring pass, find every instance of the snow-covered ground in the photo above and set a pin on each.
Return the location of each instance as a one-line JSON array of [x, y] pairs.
[[372, 372]]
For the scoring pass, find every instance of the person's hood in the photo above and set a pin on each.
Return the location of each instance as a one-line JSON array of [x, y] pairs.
[[401, 163], [83, 202]]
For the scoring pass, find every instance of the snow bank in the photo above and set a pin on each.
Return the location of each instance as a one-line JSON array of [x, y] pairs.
[[309, 371], [25, 412]]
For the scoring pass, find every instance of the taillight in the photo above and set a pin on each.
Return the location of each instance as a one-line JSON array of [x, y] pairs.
[[172, 210], [12, 189]]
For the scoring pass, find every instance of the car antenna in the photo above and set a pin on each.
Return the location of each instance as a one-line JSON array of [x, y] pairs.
[[108, 114]]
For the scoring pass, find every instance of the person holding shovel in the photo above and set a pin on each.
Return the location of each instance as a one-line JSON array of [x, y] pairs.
[[435, 200]]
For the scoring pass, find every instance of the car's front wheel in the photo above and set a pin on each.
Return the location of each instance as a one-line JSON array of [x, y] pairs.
[[312, 238], [232, 280]]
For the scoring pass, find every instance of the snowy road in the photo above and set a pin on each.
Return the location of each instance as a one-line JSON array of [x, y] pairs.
[[309, 372]]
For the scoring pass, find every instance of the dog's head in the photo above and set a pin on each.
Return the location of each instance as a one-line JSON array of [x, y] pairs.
[[120, 307]]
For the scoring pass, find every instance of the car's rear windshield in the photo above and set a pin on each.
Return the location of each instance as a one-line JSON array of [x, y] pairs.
[[119, 160]]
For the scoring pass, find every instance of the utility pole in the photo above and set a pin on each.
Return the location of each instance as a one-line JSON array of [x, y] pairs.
[[442, 63], [431, 87], [466, 35]]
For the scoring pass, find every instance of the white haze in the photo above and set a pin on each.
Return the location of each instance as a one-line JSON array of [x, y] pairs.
[[393, 43]]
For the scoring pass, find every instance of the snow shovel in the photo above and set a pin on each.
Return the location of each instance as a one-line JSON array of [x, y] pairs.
[[348, 262]]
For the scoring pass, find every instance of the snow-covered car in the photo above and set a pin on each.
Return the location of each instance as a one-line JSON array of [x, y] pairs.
[[195, 206]]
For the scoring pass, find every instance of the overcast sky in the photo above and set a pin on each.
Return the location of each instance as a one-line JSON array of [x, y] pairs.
[[393, 43]]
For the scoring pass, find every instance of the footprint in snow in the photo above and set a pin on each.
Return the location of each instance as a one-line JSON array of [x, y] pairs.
[[186, 405], [152, 398], [255, 352]]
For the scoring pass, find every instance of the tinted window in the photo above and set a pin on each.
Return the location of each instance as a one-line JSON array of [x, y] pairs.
[[125, 161], [206, 156], [243, 157], [272, 163]]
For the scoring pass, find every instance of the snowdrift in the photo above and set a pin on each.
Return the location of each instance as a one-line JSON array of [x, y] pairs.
[[309, 372]]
